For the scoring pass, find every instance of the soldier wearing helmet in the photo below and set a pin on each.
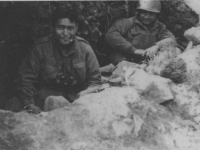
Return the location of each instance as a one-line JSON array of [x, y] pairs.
[[138, 37]]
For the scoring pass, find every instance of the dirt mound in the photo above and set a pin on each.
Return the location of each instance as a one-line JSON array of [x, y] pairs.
[[116, 118]]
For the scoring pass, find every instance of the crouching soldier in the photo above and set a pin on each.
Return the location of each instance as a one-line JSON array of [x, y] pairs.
[[61, 64]]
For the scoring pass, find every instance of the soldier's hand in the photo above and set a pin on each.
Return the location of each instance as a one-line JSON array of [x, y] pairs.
[[150, 52], [139, 52], [89, 90], [82, 93], [33, 109]]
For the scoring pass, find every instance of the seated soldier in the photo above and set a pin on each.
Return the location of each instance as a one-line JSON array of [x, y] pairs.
[[139, 37], [61, 64]]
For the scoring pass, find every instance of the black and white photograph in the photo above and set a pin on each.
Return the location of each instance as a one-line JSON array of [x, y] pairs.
[[100, 75]]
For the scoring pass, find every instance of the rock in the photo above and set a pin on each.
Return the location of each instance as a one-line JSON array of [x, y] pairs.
[[193, 34], [152, 87], [187, 100], [185, 67], [175, 70], [119, 70], [54, 102], [160, 60], [114, 119]]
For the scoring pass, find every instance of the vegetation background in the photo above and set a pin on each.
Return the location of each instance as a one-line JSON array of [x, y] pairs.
[[23, 22]]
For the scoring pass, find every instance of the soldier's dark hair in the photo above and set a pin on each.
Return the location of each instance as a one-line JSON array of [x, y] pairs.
[[64, 13]]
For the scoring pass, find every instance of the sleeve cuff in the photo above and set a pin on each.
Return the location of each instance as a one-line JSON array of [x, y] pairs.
[[27, 102], [132, 50]]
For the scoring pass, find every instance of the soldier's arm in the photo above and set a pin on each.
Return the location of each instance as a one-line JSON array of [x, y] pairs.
[[115, 37], [93, 75], [165, 37], [28, 77]]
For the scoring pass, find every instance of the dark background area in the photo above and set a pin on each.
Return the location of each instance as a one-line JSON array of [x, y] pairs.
[[23, 22]]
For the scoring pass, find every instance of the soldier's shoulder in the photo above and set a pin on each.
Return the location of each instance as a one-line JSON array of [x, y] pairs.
[[160, 24], [42, 40], [80, 39], [125, 20]]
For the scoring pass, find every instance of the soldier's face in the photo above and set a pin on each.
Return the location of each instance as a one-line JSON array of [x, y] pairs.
[[65, 31], [146, 17]]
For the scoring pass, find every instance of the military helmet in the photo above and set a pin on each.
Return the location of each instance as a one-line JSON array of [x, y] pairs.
[[149, 5]]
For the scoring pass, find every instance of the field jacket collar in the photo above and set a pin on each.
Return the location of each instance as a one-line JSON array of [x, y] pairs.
[[73, 48], [153, 26]]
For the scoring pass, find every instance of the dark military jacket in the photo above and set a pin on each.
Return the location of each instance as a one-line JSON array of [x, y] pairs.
[[48, 65], [126, 35]]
